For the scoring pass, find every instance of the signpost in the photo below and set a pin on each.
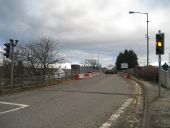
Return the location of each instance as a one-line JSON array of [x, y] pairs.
[[124, 65]]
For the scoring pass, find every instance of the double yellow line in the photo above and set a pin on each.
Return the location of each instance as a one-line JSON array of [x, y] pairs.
[[137, 98]]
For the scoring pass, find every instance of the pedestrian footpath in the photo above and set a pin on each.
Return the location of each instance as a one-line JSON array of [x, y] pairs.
[[160, 110], [158, 107]]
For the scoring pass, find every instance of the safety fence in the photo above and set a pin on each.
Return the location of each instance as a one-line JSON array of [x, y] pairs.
[[32, 80], [45, 79]]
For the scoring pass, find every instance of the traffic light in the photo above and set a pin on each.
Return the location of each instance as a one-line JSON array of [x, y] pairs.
[[7, 49], [159, 43]]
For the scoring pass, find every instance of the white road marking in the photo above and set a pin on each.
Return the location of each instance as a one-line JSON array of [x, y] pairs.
[[14, 104], [116, 115]]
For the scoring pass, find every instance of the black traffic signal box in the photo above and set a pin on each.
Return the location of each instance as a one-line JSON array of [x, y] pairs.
[[160, 44], [7, 50]]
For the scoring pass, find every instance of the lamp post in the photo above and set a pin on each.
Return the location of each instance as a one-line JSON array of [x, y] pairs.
[[147, 36], [98, 56]]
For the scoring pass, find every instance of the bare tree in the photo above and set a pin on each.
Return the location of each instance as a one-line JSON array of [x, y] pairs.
[[20, 57], [34, 58], [43, 53], [91, 62]]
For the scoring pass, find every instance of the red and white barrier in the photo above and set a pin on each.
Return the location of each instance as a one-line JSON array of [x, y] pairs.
[[126, 75], [77, 77], [85, 75]]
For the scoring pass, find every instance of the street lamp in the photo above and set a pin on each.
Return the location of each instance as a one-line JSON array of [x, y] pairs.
[[98, 54], [147, 37]]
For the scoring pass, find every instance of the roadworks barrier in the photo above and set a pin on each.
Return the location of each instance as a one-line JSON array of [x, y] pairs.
[[85, 75], [126, 75]]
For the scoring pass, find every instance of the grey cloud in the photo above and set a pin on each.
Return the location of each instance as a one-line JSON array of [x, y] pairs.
[[87, 26], [11, 10], [14, 18], [155, 3]]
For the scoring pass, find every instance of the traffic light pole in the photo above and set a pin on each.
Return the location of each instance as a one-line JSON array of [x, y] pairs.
[[10, 54], [12, 64], [13, 44], [159, 86], [159, 52]]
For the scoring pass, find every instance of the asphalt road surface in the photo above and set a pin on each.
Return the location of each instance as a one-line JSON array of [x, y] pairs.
[[98, 102]]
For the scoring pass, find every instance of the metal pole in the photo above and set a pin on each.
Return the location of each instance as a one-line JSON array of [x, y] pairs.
[[98, 58], [98, 55], [159, 87], [147, 41], [169, 58], [12, 63], [147, 21]]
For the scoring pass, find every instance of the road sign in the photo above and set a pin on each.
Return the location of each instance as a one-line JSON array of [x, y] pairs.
[[124, 65]]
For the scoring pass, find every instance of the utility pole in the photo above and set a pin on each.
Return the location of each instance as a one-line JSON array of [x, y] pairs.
[[98, 57], [147, 41]]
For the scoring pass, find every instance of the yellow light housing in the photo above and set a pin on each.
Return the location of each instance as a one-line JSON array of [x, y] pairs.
[[159, 44]]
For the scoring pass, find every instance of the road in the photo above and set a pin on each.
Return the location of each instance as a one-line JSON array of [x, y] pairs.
[[76, 104]]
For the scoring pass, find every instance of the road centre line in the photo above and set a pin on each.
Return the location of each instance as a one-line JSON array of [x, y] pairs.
[[116, 115], [14, 104]]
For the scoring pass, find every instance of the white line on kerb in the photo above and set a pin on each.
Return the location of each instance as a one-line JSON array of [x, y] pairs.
[[14, 104], [116, 115]]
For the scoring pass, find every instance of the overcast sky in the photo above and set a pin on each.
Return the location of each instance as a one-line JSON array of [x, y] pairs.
[[88, 27]]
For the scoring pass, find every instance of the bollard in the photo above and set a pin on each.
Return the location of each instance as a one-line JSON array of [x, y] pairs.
[[128, 76], [77, 77]]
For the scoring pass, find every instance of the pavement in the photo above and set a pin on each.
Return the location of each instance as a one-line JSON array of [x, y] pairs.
[[158, 108]]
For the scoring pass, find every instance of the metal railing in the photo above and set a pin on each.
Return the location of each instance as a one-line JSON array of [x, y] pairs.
[[32, 80]]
